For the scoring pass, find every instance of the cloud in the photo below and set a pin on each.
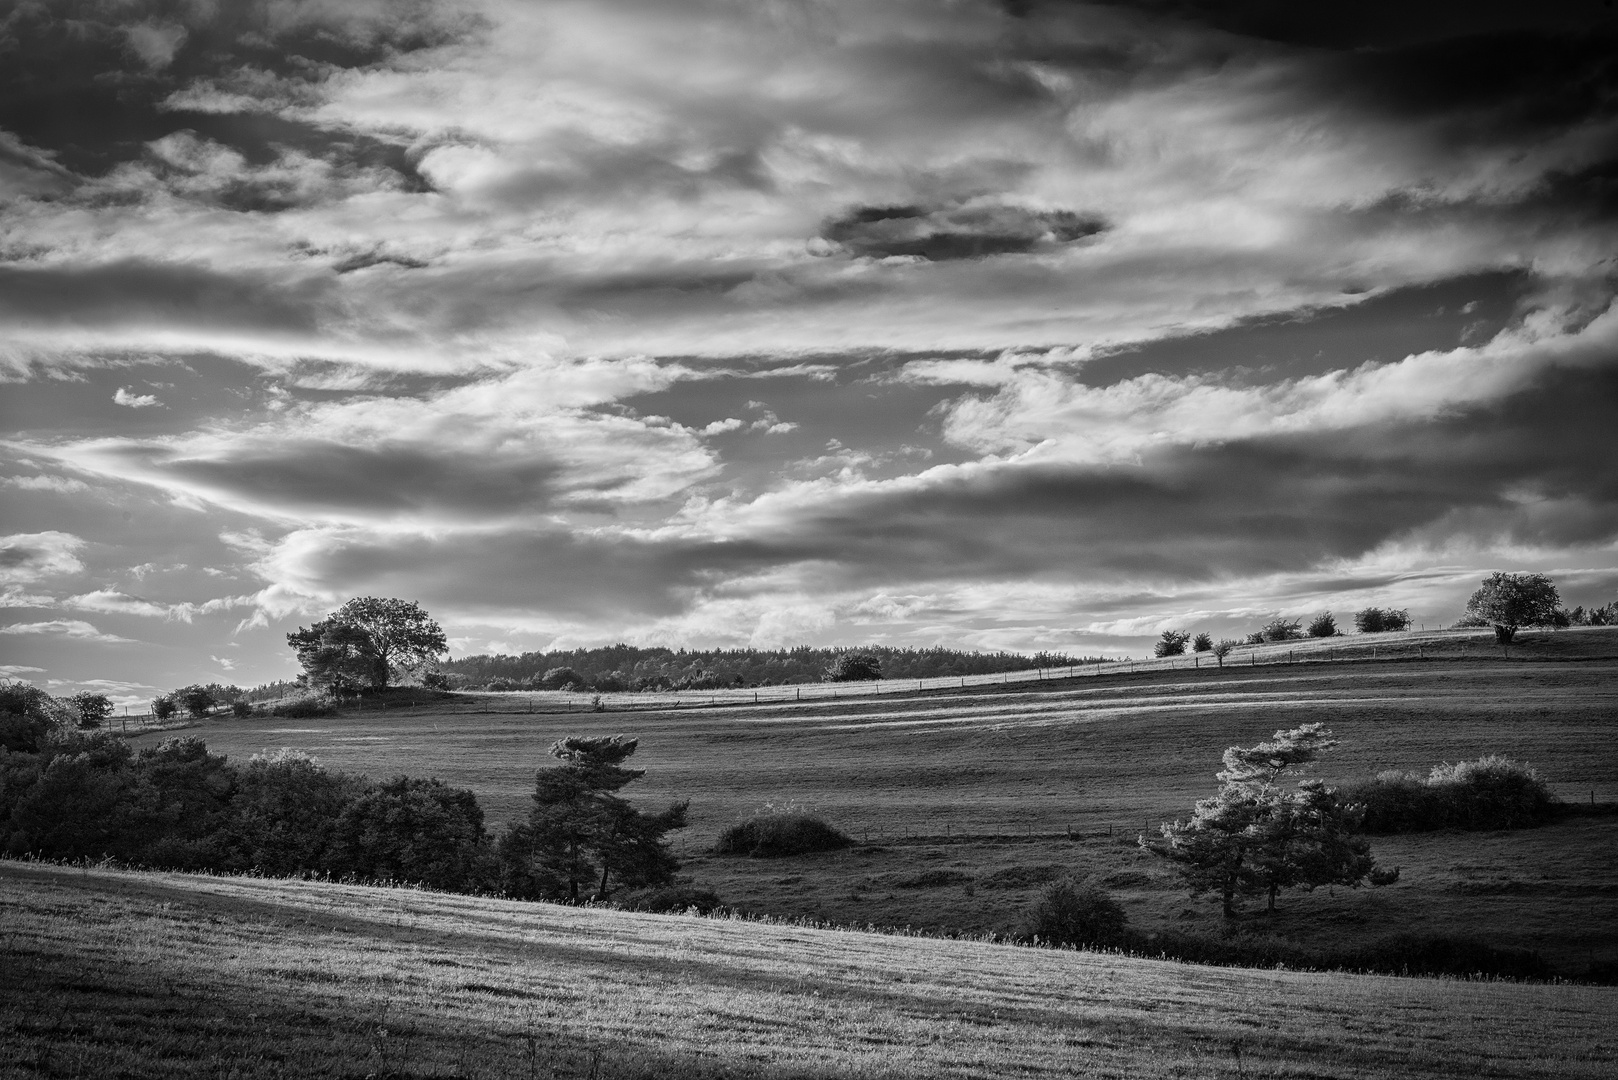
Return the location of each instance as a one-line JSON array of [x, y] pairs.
[[960, 232], [30, 557], [62, 485], [69, 629], [17, 671], [134, 401], [508, 447]]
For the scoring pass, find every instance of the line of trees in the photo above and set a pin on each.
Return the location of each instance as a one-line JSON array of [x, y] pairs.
[[618, 668], [71, 793]]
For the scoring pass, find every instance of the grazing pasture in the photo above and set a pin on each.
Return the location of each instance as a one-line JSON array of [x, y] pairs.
[[968, 801], [114, 973]]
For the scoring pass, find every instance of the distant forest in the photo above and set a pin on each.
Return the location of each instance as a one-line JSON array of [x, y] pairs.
[[625, 667]]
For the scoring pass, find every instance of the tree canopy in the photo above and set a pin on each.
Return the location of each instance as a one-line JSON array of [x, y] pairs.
[[367, 642], [1254, 837], [582, 838], [1509, 602]]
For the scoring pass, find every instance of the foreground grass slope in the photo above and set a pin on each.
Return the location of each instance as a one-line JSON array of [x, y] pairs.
[[164, 975]]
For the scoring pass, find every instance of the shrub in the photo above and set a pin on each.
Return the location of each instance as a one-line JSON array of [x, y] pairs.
[[1202, 643], [769, 836], [1069, 913], [1322, 625], [1281, 630], [1381, 620], [1172, 643], [1255, 638], [561, 678], [854, 667], [1492, 792], [305, 707]]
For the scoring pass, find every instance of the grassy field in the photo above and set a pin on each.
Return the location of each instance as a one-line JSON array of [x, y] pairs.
[[967, 801], [164, 975]]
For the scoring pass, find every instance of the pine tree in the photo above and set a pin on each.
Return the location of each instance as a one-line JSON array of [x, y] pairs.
[[1255, 837], [580, 833]]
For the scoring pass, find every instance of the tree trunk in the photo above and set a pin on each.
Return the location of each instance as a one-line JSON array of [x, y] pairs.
[[1274, 888]]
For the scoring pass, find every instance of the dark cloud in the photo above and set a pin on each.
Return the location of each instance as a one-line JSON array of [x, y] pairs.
[[1535, 468], [139, 292], [1382, 329], [959, 232], [312, 477], [1368, 23], [86, 80]]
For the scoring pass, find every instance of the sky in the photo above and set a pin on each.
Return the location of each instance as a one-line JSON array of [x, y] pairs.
[[1022, 325]]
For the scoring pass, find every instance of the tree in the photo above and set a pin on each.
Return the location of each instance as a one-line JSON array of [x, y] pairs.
[[93, 709], [581, 836], [1254, 837], [1510, 602], [194, 699], [1282, 630], [338, 657], [854, 667], [1224, 649], [1172, 643], [398, 638], [1202, 643], [1323, 625], [164, 707]]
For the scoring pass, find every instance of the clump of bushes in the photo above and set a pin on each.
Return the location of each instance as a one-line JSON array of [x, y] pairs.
[[770, 836], [1322, 625], [306, 707], [1381, 620], [1075, 913], [1493, 792]]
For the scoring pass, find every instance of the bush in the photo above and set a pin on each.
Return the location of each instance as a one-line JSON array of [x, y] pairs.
[[770, 836], [1492, 792], [1381, 620], [241, 708], [306, 707], [1172, 643], [1069, 913], [1281, 630], [561, 678], [854, 667], [1322, 625], [1202, 643]]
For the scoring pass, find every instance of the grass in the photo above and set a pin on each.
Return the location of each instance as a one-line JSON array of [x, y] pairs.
[[967, 801], [167, 975]]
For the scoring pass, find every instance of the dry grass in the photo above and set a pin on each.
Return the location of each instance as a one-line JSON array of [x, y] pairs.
[[994, 779], [165, 975]]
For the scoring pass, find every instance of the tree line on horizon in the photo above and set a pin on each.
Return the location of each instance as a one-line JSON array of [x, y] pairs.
[[618, 668]]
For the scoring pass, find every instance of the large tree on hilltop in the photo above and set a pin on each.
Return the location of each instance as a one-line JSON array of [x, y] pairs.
[[367, 641]]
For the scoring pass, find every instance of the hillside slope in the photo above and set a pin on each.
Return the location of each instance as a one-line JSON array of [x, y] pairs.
[[168, 975]]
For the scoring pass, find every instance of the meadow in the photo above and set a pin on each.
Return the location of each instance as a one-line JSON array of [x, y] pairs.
[[968, 800], [131, 974]]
